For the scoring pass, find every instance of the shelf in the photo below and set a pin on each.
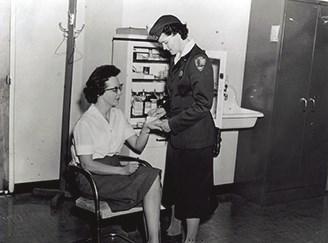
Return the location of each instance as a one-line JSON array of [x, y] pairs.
[[141, 54], [148, 86], [150, 60], [142, 76], [147, 80]]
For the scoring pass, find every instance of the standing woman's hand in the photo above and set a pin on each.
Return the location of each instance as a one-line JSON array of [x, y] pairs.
[[165, 125]]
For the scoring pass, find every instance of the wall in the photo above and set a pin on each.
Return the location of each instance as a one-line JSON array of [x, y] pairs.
[[219, 21], [212, 23], [101, 19], [4, 94], [79, 63]]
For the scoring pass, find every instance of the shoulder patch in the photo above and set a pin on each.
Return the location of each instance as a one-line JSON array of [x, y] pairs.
[[200, 62]]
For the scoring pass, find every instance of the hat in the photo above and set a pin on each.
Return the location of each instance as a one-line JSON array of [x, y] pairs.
[[157, 28]]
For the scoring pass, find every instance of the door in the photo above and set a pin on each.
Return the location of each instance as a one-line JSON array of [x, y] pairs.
[[4, 93], [291, 95], [315, 156], [38, 81]]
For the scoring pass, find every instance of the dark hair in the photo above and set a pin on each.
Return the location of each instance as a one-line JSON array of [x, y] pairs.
[[95, 86], [176, 28]]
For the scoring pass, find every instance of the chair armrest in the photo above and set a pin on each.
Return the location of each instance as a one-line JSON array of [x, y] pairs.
[[74, 169], [79, 170], [130, 159]]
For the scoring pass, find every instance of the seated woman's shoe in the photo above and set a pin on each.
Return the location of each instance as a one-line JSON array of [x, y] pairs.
[[172, 238]]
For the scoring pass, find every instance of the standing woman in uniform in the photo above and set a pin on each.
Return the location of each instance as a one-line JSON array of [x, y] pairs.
[[188, 180]]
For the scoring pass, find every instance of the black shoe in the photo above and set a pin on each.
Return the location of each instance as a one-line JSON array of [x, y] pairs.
[[172, 238]]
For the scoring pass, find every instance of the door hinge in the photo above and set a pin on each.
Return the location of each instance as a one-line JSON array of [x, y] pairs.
[[8, 80]]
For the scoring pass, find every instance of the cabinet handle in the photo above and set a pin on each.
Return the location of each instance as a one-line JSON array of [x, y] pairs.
[[8, 80], [303, 104], [161, 139], [312, 104], [324, 19]]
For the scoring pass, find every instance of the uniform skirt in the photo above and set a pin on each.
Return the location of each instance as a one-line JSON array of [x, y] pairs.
[[188, 182], [121, 192]]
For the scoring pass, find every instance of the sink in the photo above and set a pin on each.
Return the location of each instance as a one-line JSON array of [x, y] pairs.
[[234, 116], [243, 118]]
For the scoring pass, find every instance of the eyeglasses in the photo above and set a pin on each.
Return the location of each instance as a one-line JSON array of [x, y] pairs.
[[115, 89]]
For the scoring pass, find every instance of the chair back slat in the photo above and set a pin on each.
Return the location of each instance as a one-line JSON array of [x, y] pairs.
[[75, 159]]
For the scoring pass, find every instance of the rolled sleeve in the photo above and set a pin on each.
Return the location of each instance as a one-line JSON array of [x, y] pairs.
[[128, 129]]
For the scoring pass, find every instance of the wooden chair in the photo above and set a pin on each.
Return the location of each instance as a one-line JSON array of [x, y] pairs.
[[100, 208]]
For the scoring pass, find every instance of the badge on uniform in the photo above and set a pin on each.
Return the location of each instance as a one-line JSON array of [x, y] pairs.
[[200, 62]]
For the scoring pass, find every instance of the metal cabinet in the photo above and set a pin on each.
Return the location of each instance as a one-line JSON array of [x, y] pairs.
[[143, 72], [316, 133], [288, 154]]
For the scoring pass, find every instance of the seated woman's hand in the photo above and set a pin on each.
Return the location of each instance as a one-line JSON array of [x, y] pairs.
[[130, 168], [152, 123]]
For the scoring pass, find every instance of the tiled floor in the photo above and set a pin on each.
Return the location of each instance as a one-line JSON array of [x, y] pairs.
[[25, 218]]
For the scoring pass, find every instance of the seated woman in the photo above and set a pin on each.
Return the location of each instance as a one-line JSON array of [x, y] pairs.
[[99, 136]]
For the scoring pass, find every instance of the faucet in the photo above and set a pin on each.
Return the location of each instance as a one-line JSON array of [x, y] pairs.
[[225, 94]]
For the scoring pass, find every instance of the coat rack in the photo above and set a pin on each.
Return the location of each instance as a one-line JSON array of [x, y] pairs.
[[70, 33]]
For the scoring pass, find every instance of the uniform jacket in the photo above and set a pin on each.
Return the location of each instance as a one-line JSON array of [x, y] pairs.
[[190, 87]]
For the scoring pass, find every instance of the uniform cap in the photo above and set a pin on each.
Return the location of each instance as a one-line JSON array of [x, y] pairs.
[[157, 28]]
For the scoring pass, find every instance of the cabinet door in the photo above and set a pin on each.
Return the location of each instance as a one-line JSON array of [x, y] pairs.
[[38, 83], [313, 169], [154, 152], [292, 86]]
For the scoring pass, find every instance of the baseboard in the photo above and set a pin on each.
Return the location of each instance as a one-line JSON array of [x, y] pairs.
[[29, 187], [223, 189]]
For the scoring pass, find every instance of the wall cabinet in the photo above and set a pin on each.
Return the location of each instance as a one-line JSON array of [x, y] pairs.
[[143, 72], [284, 157], [36, 92]]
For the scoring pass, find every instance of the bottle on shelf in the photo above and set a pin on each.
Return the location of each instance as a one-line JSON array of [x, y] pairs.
[[160, 99], [137, 104], [153, 99], [150, 102], [147, 104]]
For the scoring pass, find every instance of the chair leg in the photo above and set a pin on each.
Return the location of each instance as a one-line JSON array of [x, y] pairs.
[[98, 232], [98, 237], [145, 226]]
